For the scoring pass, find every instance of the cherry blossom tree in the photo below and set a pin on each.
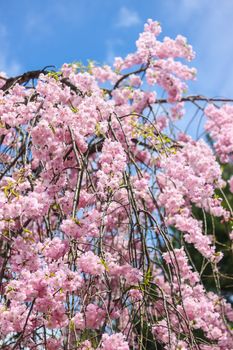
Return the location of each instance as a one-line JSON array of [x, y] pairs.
[[110, 217]]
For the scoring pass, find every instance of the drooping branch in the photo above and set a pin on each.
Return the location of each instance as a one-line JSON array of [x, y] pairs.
[[23, 78], [193, 98]]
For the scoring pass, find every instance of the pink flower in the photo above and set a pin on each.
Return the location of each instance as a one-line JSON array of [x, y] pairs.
[[71, 228], [114, 342], [91, 263], [231, 184]]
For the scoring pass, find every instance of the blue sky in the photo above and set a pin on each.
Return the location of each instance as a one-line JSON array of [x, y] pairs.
[[37, 33]]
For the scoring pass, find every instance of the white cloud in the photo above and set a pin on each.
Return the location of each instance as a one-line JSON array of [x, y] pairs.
[[181, 11], [208, 27], [215, 48], [11, 68], [110, 54], [111, 48], [7, 64], [38, 24], [127, 18], [42, 23], [3, 32], [191, 5]]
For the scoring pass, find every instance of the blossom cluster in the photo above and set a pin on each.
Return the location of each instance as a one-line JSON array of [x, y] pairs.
[[190, 177], [219, 126], [97, 202]]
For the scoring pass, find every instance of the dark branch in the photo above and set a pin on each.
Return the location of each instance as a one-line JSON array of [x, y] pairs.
[[193, 98], [23, 78]]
